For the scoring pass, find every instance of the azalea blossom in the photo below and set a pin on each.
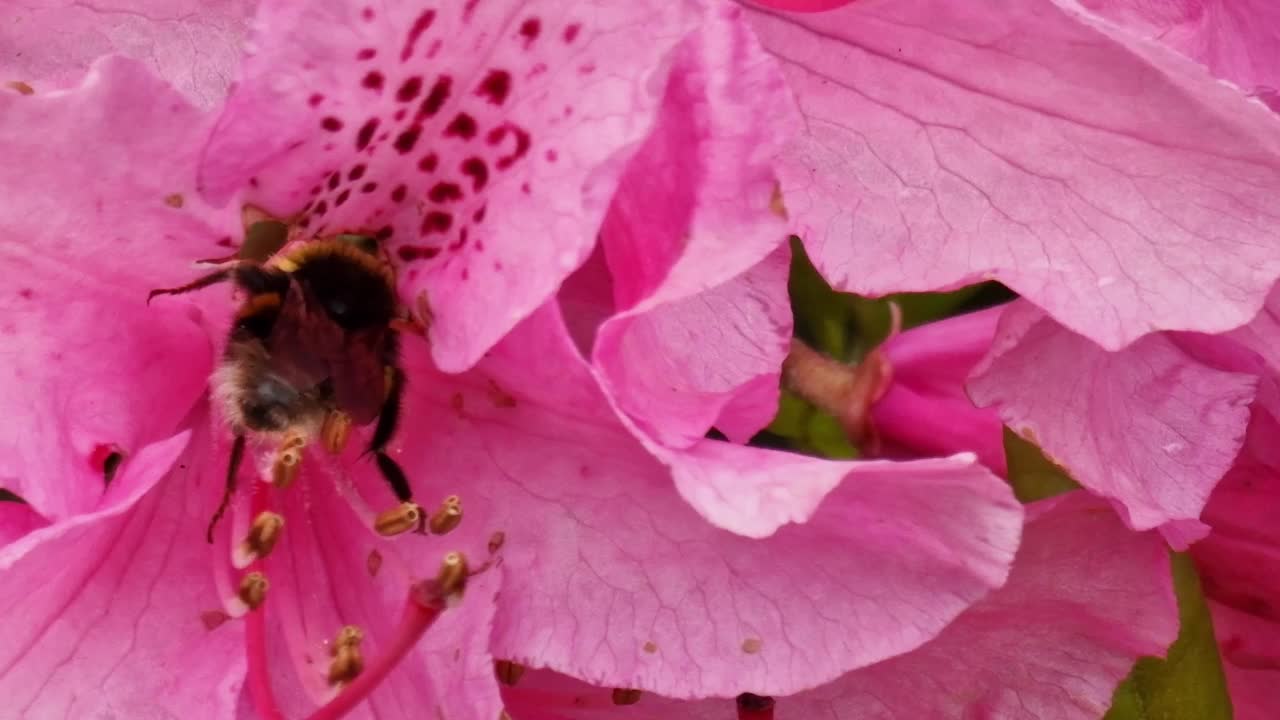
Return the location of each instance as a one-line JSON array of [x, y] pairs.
[[1110, 180], [1233, 375], [609, 539]]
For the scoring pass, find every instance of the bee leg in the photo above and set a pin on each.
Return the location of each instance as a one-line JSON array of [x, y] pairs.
[[212, 278], [233, 469], [408, 513]]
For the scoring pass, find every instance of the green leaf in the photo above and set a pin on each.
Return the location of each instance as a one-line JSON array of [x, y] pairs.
[[1188, 684], [823, 317], [807, 429], [1032, 475]]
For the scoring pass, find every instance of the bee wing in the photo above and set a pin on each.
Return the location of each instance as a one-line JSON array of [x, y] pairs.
[[359, 374], [301, 339]]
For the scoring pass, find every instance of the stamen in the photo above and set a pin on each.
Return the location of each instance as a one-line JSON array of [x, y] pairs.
[[335, 431], [452, 578], [398, 520], [496, 541], [626, 696], [426, 601], [508, 672], [253, 590], [261, 540], [288, 463], [447, 517], [755, 707], [255, 639], [347, 663]]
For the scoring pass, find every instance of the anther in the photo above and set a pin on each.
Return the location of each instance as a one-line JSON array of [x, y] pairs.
[[253, 590], [347, 661], [263, 535], [285, 470], [399, 519], [348, 635], [452, 578], [335, 431], [626, 696], [496, 541], [508, 672], [447, 516]]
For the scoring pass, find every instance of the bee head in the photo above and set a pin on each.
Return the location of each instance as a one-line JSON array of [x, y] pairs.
[[270, 403]]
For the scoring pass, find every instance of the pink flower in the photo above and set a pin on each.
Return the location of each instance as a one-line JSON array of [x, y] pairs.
[[1107, 179], [565, 466], [1152, 426], [1210, 402]]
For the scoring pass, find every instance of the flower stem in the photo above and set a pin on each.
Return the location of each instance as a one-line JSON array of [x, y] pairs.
[[420, 612], [845, 392]]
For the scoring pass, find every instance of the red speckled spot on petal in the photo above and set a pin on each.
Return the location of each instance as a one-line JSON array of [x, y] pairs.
[[529, 30], [495, 86], [477, 170], [365, 136], [420, 26], [437, 97], [406, 140], [445, 192], [409, 89], [463, 126]]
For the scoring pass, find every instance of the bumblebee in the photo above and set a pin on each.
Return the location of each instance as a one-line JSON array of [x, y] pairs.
[[313, 351]]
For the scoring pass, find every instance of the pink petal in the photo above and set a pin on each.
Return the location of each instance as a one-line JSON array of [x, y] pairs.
[[192, 44], [1239, 564], [486, 139], [1084, 600], [16, 520], [925, 410], [1250, 648], [1129, 425], [1236, 39], [1262, 334], [1110, 181], [610, 576], [96, 369], [696, 252], [677, 368], [117, 630], [331, 570]]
